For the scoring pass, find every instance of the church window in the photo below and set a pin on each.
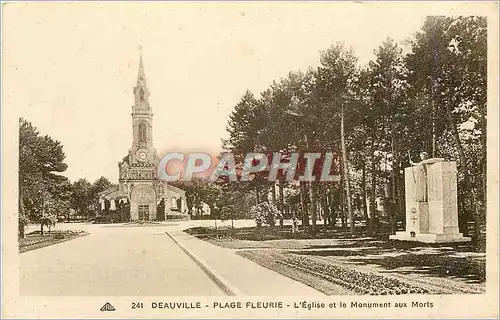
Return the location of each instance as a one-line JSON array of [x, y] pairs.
[[142, 133]]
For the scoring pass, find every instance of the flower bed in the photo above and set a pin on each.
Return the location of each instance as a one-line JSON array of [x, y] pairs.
[[35, 240], [29, 241], [359, 282]]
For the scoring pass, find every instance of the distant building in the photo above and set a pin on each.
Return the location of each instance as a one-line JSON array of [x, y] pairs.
[[138, 187]]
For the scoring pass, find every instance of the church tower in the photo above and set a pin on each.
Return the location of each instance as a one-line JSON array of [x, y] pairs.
[[142, 150], [138, 170], [139, 190]]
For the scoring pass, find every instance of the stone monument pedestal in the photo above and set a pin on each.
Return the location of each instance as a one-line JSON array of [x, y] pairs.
[[431, 204], [430, 237]]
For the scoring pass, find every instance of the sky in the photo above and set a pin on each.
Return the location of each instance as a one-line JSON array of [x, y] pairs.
[[70, 68]]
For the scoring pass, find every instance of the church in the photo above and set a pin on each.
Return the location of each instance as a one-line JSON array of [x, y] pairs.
[[139, 190]]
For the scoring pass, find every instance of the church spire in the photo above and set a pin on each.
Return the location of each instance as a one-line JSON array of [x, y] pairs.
[[141, 90], [141, 75], [141, 111]]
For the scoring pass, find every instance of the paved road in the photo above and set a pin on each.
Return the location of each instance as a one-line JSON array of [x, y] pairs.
[[114, 260]]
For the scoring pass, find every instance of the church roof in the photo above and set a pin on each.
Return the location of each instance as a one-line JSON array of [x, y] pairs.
[[175, 189], [108, 192]]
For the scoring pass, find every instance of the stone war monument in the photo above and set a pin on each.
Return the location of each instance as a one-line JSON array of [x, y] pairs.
[[431, 202]]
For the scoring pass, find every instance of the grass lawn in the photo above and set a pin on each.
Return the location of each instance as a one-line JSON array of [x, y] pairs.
[[35, 240], [359, 265]]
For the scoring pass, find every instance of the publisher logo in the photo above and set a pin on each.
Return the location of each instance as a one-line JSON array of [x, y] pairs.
[[108, 307]]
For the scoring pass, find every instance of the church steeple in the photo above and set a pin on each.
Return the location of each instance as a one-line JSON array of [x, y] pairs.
[[141, 90], [141, 75], [142, 118]]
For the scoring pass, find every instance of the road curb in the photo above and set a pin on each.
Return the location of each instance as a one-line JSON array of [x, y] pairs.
[[221, 282]]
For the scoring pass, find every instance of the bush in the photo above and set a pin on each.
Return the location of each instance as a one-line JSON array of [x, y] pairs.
[[59, 236], [103, 219], [264, 213]]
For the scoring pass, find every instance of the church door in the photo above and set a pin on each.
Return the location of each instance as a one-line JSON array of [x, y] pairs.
[[143, 212]]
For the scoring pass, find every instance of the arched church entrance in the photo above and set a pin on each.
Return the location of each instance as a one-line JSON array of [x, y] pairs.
[[143, 203]]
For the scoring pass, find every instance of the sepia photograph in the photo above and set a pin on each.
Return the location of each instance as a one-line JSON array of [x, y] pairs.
[[192, 156]]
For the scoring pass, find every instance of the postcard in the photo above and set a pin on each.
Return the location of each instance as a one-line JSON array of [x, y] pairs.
[[250, 159]]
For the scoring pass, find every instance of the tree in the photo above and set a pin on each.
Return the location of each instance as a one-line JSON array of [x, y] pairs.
[[433, 98], [85, 195], [100, 185], [448, 66], [284, 133], [387, 117], [245, 126], [264, 213], [42, 190], [337, 76], [82, 198], [199, 190]]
